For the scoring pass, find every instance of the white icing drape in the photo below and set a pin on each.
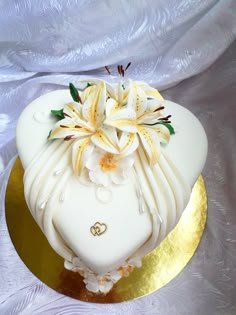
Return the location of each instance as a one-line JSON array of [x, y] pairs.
[[166, 194], [44, 185], [164, 191]]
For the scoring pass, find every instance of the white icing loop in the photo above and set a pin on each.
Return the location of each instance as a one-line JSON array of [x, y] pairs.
[[58, 172], [42, 117], [104, 194]]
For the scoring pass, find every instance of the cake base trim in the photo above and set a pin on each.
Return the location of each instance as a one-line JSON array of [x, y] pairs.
[[157, 269]]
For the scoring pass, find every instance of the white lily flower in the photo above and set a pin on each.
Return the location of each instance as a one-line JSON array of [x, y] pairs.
[[116, 109], [143, 116], [83, 124]]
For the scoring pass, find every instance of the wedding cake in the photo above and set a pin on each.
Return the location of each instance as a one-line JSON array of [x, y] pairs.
[[109, 170]]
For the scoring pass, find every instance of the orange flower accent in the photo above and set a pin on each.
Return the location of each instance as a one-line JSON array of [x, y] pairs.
[[108, 162], [130, 268], [124, 271]]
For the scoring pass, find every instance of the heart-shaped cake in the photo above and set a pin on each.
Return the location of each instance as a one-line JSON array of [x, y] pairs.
[[108, 173]]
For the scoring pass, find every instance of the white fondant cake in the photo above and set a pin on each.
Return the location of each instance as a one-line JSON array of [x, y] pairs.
[[112, 177]]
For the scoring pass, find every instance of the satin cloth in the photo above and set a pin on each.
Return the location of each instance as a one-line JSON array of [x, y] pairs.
[[44, 45]]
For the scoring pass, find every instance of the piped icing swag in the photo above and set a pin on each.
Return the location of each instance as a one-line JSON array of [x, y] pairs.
[[111, 122]]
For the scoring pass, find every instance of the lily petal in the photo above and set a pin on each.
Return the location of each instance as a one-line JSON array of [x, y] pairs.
[[112, 106], [123, 119], [151, 143], [66, 127], [86, 92], [72, 110], [149, 118], [73, 113], [149, 91], [128, 143], [94, 107], [140, 100], [162, 132], [154, 104], [106, 139], [132, 96], [123, 92], [112, 91], [81, 151]]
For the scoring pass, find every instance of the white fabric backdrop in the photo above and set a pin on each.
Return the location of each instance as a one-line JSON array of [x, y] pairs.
[[46, 44]]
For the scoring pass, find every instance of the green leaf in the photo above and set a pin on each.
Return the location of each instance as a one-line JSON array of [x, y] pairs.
[[88, 84], [74, 92], [168, 126], [49, 134], [59, 113]]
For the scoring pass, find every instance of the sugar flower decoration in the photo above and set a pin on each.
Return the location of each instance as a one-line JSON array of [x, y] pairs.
[[101, 283], [142, 115], [83, 123], [107, 123], [106, 168]]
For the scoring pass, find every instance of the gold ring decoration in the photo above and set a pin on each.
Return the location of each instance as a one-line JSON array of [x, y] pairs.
[[158, 268], [98, 229]]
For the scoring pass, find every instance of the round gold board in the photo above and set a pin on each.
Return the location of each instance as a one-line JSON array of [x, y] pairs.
[[159, 267]]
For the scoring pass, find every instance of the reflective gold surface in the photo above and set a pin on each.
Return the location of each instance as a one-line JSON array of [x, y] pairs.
[[159, 267]]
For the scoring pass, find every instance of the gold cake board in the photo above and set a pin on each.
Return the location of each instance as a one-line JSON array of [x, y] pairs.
[[159, 267]]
